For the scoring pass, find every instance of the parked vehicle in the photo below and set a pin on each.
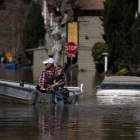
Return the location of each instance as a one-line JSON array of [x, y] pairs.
[[120, 86]]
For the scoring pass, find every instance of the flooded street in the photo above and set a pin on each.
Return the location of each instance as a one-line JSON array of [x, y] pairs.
[[94, 118]]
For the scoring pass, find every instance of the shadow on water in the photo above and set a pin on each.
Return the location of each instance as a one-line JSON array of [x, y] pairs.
[[95, 118]]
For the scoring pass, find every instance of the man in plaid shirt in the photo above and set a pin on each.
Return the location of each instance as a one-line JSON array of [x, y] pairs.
[[49, 72]]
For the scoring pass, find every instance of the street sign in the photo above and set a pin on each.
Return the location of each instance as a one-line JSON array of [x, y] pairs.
[[71, 55], [71, 48]]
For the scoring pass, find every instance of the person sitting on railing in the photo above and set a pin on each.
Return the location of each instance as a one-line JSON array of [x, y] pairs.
[[52, 76]]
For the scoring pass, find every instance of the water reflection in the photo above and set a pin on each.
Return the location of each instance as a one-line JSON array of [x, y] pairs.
[[25, 74], [70, 122], [58, 124], [117, 100], [121, 123], [72, 78]]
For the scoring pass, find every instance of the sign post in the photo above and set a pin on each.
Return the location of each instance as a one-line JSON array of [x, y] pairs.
[[71, 48]]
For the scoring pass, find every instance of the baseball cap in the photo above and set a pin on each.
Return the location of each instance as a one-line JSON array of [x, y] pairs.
[[49, 60]]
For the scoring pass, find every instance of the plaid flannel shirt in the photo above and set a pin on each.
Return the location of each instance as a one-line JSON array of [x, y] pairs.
[[47, 74]]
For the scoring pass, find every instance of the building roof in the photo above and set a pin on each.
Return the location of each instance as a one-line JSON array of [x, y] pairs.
[[95, 5], [35, 49]]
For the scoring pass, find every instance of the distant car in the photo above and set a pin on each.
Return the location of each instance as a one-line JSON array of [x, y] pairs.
[[119, 85]]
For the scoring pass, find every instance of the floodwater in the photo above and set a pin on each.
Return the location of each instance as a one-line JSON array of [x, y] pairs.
[[94, 118]]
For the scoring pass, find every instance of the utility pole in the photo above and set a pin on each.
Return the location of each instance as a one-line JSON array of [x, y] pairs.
[[63, 46]]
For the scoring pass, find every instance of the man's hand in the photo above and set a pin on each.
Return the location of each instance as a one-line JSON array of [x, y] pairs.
[[52, 86], [41, 88]]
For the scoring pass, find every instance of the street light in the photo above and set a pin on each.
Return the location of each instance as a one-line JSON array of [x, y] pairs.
[[105, 65]]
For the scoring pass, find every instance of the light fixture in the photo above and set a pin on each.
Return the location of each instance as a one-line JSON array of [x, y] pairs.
[[86, 37]]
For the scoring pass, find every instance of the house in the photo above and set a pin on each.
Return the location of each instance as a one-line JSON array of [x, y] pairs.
[[90, 31]]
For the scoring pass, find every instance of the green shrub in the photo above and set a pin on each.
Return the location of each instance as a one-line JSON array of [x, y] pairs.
[[122, 72], [97, 50]]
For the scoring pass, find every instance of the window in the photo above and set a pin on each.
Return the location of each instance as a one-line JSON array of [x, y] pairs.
[[119, 86]]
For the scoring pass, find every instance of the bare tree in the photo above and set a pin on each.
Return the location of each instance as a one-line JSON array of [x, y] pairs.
[[12, 19]]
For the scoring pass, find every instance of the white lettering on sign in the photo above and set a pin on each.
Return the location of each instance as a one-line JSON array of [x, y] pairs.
[[71, 48]]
